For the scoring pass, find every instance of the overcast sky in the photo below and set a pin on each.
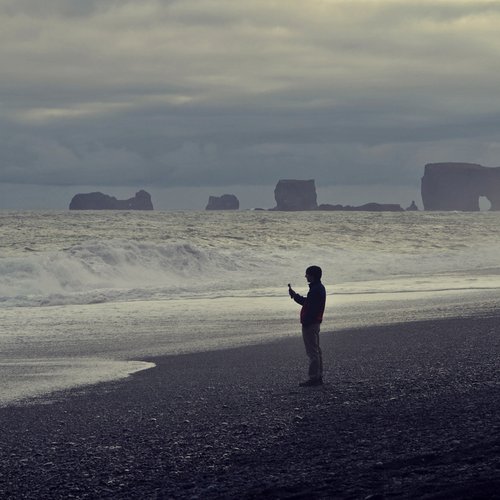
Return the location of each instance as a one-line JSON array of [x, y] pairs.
[[186, 98]]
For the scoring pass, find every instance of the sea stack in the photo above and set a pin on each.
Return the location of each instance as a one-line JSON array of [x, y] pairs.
[[224, 202], [100, 201], [458, 186], [291, 194]]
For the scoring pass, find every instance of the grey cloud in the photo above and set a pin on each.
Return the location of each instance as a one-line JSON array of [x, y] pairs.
[[206, 147], [186, 93], [59, 8]]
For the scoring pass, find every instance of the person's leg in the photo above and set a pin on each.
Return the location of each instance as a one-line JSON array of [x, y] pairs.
[[310, 334]]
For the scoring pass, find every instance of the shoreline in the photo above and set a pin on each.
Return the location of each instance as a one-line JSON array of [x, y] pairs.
[[407, 411]]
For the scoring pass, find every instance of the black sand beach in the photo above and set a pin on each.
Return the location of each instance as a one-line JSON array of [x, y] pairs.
[[407, 411]]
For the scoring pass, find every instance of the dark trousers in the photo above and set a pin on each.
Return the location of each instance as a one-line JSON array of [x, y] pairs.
[[310, 334]]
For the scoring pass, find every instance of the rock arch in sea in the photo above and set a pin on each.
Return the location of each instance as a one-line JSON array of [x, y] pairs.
[[458, 186]]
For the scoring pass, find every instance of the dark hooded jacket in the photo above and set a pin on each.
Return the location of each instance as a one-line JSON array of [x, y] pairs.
[[313, 306]]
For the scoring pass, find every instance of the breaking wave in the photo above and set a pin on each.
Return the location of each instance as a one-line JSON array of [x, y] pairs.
[[99, 271]]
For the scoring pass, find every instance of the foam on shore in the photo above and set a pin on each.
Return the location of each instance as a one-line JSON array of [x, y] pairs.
[[24, 379]]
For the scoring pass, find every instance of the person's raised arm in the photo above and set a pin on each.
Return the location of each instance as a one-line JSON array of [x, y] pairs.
[[295, 296]]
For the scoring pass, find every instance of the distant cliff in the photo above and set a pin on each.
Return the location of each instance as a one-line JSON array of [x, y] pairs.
[[293, 194], [224, 202], [367, 207], [458, 186], [100, 201]]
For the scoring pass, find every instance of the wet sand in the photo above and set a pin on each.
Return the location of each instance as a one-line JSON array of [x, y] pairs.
[[407, 411]]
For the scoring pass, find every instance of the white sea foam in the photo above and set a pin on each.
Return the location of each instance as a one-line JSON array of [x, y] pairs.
[[28, 378], [117, 270]]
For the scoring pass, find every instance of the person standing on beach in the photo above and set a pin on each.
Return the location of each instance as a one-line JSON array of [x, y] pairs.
[[311, 315]]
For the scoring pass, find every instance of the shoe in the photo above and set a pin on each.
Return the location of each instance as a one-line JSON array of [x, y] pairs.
[[312, 382]]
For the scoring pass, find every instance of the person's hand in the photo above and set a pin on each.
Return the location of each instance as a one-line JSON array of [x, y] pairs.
[[291, 292]]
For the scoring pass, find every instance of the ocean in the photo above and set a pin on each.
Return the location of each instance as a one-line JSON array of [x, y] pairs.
[[85, 297]]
